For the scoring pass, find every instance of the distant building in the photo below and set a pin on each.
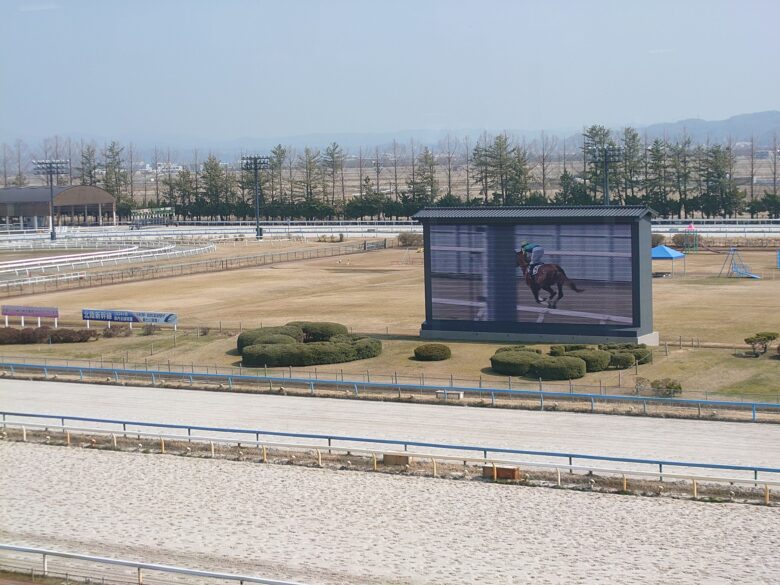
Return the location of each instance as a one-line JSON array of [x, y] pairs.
[[28, 207]]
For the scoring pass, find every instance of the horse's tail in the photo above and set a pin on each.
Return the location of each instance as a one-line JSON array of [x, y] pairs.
[[570, 283]]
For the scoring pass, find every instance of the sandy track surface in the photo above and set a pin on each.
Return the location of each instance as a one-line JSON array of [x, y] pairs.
[[325, 526], [671, 439]]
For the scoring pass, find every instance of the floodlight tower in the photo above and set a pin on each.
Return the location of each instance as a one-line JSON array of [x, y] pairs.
[[256, 163], [51, 168]]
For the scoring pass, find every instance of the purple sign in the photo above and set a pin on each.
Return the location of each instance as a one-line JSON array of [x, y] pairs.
[[22, 311]]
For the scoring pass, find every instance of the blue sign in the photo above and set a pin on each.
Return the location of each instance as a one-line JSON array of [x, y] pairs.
[[128, 316]]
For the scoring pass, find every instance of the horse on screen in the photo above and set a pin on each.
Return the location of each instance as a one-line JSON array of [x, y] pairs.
[[545, 277]]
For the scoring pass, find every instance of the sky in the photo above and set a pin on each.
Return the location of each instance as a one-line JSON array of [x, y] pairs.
[[234, 69]]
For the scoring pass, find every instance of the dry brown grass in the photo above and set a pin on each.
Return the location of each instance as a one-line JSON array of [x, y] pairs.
[[382, 293]]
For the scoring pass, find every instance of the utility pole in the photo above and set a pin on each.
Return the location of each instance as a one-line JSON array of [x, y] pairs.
[[52, 168], [256, 163], [604, 155]]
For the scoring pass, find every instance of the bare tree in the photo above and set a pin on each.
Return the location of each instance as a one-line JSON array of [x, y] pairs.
[[20, 180], [156, 176], [377, 167], [413, 162], [773, 164], [395, 168], [752, 165], [5, 165], [360, 170], [546, 148], [449, 147], [563, 151], [131, 172], [468, 168]]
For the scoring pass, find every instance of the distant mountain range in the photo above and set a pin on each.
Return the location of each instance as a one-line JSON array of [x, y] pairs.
[[760, 126]]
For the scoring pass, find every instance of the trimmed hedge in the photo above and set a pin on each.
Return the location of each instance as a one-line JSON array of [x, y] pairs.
[[519, 348], [596, 360], [620, 360], [254, 336], [559, 368], [622, 346], [559, 350], [514, 363], [319, 330], [432, 352], [29, 335], [274, 348]]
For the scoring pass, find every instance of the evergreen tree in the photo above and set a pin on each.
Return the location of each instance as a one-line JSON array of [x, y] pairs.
[[333, 165], [115, 178], [88, 168], [630, 184]]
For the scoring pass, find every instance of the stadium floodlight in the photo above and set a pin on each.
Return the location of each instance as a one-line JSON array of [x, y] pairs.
[[51, 168], [604, 155], [255, 164]]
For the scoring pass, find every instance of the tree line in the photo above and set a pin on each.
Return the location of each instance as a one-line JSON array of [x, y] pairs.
[[676, 178]]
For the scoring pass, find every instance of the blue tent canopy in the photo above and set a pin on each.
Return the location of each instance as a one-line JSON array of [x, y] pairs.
[[666, 253]]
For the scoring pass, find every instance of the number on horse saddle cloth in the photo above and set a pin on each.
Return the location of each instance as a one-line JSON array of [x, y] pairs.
[[533, 269]]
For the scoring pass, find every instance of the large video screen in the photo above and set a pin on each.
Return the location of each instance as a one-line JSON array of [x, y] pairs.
[[563, 273]]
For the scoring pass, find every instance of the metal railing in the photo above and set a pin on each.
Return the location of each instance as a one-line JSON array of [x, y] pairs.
[[145, 272], [140, 567], [441, 451], [156, 376]]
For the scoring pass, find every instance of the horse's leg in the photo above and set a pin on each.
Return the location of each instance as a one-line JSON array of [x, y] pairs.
[[551, 299], [535, 290], [560, 291]]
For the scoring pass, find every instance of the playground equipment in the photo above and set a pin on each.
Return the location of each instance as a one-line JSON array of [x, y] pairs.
[[736, 266]]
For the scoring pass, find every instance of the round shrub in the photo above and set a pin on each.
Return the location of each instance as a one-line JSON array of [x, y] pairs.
[[620, 360], [432, 352], [519, 348], [559, 368], [253, 336], [9, 336], [514, 363], [319, 330], [595, 360], [557, 350], [367, 347]]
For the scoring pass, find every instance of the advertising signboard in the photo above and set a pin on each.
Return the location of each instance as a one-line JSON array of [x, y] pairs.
[[129, 316], [24, 311]]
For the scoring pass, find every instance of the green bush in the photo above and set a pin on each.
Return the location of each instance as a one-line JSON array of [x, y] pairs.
[[622, 346], [367, 347], [319, 330], [620, 360], [657, 239], [559, 368], [9, 335], [666, 387], [253, 336], [559, 350], [596, 360], [514, 363], [432, 352], [519, 348], [272, 347]]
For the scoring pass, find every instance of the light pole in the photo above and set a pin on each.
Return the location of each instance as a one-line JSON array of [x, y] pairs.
[[256, 163], [51, 168], [604, 155]]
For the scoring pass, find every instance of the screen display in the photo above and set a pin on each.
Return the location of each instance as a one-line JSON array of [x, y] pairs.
[[532, 273]]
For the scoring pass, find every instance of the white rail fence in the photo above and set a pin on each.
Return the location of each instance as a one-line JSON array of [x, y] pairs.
[[140, 567]]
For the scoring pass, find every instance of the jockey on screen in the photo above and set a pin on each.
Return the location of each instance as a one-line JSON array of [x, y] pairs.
[[533, 255]]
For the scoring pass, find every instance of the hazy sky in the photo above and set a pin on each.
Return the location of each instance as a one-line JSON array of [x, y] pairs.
[[222, 70]]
